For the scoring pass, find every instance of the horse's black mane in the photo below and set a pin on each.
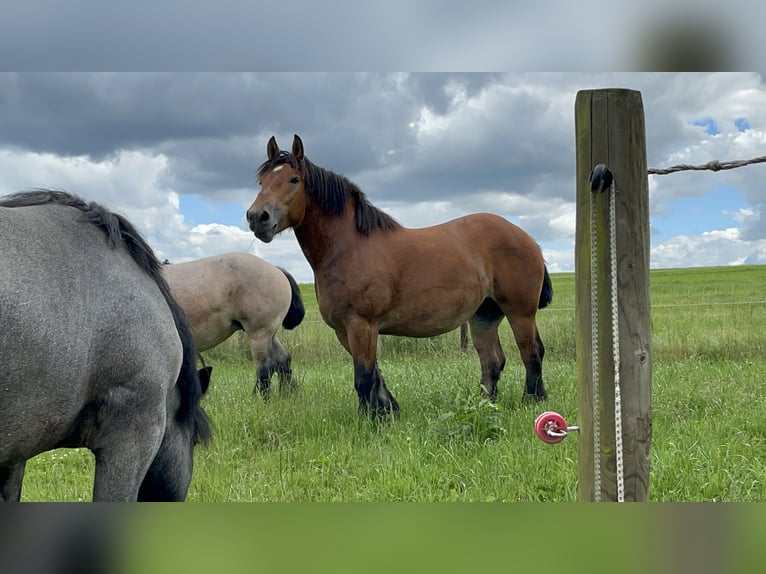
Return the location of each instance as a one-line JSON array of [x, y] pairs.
[[119, 230], [331, 192]]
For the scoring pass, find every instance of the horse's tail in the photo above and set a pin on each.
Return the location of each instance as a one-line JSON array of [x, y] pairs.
[[119, 230], [297, 311], [546, 293]]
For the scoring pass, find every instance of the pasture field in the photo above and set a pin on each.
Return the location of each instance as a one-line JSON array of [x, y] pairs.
[[709, 412]]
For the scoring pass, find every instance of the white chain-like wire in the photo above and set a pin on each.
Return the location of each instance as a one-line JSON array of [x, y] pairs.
[[594, 353], [616, 348]]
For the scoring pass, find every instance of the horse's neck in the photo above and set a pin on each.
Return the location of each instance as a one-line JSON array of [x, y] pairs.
[[324, 237]]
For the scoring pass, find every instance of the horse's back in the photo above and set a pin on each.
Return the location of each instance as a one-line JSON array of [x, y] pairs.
[[81, 328], [487, 232], [476, 247], [225, 273]]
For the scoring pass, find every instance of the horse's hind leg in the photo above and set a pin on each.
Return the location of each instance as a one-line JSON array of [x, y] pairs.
[[487, 343], [259, 348], [123, 455], [532, 351], [280, 363], [11, 478]]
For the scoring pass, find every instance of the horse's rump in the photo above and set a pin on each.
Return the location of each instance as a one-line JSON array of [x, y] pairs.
[[230, 292], [93, 346], [225, 293], [65, 322]]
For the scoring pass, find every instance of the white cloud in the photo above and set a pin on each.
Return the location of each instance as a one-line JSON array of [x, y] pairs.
[[425, 151], [710, 249], [127, 183], [127, 178], [211, 238]]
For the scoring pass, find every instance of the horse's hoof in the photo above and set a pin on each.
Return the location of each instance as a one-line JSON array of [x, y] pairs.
[[534, 397], [490, 395], [384, 415], [288, 389], [381, 412]]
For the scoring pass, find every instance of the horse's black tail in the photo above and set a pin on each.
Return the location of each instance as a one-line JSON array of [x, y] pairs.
[[546, 293], [297, 311]]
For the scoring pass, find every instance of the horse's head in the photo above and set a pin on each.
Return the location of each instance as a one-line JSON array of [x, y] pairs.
[[281, 203]]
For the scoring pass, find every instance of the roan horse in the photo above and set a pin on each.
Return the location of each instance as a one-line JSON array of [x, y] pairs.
[[372, 275], [94, 351], [233, 292]]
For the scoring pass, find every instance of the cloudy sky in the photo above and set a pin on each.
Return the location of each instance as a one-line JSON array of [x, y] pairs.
[[177, 152]]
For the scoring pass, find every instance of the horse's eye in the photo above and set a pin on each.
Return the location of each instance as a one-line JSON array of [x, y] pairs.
[[295, 179]]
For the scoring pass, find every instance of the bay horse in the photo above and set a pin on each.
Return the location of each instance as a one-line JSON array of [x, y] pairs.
[[372, 275], [223, 294], [95, 352]]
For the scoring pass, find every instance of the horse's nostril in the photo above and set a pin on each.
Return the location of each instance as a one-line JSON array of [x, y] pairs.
[[263, 216]]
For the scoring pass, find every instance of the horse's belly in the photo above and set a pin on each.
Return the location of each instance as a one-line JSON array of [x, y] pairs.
[[426, 320], [415, 331], [27, 433]]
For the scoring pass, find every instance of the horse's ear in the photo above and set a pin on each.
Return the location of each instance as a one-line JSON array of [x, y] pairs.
[[297, 147], [272, 148]]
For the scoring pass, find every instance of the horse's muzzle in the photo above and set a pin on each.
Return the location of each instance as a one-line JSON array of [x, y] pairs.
[[262, 224]]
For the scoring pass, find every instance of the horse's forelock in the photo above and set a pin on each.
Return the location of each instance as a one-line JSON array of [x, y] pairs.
[[284, 157]]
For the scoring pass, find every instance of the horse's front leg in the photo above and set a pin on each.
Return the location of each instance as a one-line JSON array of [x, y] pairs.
[[11, 478], [360, 340]]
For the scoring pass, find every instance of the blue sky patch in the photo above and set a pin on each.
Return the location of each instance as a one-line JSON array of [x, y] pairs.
[[742, 124], [695, 215], [198, 210], [711, 128]]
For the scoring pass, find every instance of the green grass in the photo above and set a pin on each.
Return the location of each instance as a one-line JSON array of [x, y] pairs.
[[709, 432]]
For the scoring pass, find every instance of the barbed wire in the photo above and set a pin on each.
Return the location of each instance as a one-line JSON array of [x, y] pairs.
[[713, 165]]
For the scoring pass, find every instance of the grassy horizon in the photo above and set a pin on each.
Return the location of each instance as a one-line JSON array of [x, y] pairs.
[[709, 356]]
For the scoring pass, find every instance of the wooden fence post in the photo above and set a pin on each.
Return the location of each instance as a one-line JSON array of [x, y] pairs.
[[609, 126]]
